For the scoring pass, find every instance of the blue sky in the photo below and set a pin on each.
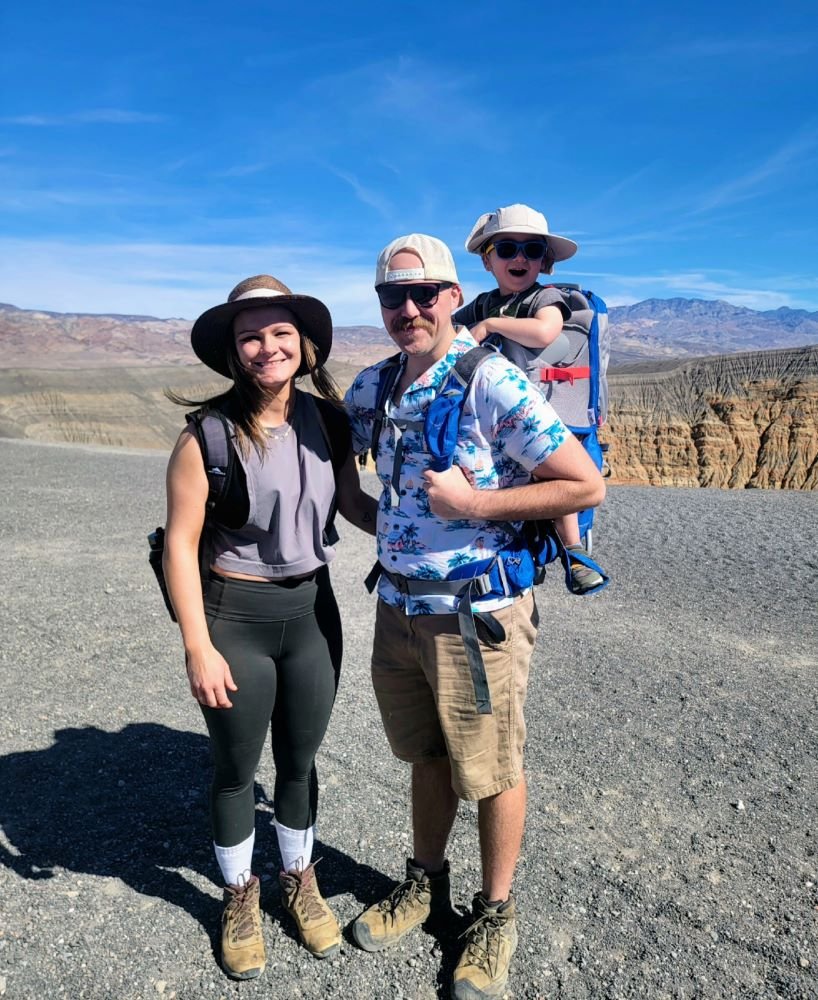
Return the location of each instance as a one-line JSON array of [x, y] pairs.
[[151, 155]]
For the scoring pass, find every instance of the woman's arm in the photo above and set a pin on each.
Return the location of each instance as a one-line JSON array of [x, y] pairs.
[[208, 672], [357, 507]]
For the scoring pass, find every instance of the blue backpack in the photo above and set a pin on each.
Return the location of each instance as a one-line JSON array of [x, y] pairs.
[[538, 544], [571, 373]]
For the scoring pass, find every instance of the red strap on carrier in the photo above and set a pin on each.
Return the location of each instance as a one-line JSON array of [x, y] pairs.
[[563, 374]]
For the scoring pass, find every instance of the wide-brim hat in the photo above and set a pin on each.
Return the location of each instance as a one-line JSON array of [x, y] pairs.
[[212, 333], [518, 219]]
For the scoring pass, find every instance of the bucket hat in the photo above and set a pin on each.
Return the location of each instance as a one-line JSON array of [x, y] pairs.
[[212, 332], [518, 219]]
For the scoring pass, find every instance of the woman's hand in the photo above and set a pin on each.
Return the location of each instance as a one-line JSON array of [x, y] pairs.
[[210, 678]]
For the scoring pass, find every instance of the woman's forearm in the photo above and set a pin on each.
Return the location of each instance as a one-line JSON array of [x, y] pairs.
[[181, 565]]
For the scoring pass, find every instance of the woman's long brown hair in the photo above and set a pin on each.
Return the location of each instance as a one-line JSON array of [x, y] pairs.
[[245, 400]]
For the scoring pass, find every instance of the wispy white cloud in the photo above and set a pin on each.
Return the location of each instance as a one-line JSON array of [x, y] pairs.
[[770, 47], [96, 116], [32, 200], [363, 193], [782, 162], [245, 170], [770, 292], [612, 192], [169, 279]]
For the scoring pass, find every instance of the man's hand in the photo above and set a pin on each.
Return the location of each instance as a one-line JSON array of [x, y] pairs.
[[451, 495]]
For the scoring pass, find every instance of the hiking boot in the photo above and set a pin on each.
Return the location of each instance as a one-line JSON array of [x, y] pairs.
[[242, 942], [490, 942], [407, 905], [316, 923], [583, 578]]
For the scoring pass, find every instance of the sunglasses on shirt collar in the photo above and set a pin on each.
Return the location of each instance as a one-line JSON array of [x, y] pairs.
[[393, 296], [508, 249]]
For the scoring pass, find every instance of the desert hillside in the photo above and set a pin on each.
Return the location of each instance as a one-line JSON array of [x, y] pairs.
[[742, 420], [737, 421]]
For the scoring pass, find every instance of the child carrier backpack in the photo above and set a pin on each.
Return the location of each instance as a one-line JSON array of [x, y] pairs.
[[227, 500], [571, 373], [519, 565]]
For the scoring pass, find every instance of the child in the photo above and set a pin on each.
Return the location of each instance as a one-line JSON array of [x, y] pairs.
[[516, 247]]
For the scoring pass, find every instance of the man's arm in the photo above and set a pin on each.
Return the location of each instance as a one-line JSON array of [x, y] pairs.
[[567, 481]]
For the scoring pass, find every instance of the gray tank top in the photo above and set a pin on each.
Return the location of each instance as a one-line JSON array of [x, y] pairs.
[[291, 489]]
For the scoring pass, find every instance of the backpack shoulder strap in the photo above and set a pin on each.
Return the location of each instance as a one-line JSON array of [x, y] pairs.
[[387, 378], [467, 364], [443, 413], [481, 306], [334, 425], [213, 434]]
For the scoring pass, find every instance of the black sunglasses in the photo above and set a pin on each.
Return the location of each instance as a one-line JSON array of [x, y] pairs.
[[393, 296], [508, 249]]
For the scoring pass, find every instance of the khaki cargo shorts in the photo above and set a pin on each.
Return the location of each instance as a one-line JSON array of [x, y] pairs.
[[426, 696]]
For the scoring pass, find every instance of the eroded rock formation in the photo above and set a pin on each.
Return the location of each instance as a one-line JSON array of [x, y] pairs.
[[739, 421]]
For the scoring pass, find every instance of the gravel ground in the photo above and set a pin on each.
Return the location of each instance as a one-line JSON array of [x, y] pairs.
[[670, 849]]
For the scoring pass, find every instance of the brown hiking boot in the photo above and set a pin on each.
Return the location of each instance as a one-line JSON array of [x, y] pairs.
[[490, 942], [317, 926], [242, 942], [407, 905]]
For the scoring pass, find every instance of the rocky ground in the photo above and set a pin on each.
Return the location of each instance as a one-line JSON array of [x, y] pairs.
[[670, 850]]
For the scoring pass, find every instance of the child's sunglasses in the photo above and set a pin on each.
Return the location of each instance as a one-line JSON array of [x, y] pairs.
[[508, 249], [393, 296]]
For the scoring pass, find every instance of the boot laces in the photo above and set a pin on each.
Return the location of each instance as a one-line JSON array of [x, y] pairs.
[[308, 898], [483, 941], [242, 912], [401, 897]]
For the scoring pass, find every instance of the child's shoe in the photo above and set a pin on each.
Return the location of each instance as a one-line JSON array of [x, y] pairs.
[[583, 578]]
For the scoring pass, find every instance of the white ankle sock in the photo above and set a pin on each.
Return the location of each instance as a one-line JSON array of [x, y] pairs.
[[236, 862], [295, 846]]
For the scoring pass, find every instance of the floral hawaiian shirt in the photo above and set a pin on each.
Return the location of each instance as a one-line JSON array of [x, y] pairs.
[[506, 430]]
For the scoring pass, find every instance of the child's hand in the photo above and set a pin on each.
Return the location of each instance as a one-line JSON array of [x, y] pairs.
[[480, 331]]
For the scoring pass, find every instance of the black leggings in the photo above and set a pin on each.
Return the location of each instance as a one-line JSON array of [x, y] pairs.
[[282, 641]]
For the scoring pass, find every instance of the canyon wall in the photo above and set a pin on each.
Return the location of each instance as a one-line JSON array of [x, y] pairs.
[[737, 421]]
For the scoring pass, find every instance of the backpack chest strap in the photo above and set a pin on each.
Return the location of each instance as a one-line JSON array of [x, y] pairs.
[[564, 374]]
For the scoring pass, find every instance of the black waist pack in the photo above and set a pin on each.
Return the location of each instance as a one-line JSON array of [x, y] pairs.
[[156, 548]]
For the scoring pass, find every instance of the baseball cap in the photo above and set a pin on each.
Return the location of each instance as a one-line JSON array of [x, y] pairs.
[[436, 261]]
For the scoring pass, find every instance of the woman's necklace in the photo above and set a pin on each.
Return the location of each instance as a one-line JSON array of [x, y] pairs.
[[278, 433]]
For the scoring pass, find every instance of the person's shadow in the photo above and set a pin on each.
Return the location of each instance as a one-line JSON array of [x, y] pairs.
[[133, 805]]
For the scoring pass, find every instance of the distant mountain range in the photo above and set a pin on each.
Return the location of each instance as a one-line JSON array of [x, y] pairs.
[[679, 328], [655, 330]]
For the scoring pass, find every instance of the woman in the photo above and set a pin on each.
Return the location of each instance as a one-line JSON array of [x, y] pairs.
[[263, 643]]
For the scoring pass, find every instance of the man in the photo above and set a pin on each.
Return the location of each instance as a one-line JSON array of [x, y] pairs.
[[514, 461]]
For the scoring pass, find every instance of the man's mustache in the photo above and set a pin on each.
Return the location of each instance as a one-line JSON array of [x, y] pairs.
[[402, 325]]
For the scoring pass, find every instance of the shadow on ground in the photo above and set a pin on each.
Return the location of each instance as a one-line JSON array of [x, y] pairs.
[[132, 805]]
